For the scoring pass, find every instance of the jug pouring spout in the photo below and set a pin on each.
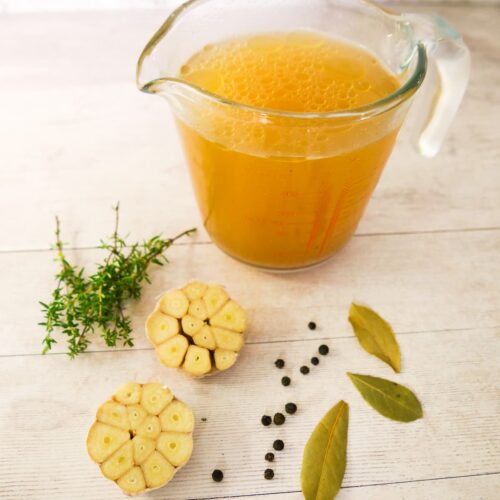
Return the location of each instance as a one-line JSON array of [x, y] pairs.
[[156, 65]]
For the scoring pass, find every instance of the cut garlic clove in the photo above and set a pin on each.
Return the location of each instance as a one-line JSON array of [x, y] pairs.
[[174, 303]]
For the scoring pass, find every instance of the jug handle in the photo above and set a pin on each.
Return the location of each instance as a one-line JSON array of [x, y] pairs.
[[444, 86]]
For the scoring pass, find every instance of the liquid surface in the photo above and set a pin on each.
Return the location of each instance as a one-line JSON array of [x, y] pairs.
[[285, 193], [298, 71]]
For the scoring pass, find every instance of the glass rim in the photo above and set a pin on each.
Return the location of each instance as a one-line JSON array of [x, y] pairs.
[[400, 95]]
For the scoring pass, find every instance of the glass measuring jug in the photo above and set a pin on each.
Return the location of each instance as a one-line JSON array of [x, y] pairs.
[[286, 188]]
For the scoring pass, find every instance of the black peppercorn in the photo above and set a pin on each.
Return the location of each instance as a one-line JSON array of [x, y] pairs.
[[304, 370], [217, 475], [315, 361], [266, 420], [279, 363], [278, 445], [290, 408], [269, 457], [269, 473], [311, 325], [323, 350], [285, 381], [279, 418]]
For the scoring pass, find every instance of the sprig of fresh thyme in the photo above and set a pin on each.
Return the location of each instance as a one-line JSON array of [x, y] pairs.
[[82, 305]]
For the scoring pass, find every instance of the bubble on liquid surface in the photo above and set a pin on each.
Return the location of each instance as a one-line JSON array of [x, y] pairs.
[[306, 72], [298, 71]]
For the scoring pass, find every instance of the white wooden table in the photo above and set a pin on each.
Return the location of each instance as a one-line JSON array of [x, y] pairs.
[[76, 136]]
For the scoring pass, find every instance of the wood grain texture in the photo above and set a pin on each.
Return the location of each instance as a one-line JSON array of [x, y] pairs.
[[417, 282], [16, 6], [50, 402], [463, 488], [83, 137]]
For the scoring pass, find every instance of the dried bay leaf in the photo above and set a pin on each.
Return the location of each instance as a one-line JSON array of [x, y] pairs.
[[324, 461], [390, 399], [375, 335]]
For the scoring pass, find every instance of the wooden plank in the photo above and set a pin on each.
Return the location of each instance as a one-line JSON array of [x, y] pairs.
[[482, 487], [418, 282], [77, 136], [15, 6], [47, 406]]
